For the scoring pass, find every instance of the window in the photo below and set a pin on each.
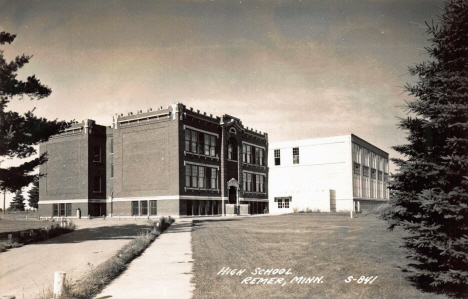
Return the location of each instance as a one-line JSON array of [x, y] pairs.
[[62, 209], [97, 184], [55, 209], [249, 154], [201, 143], [379, 175], [214, 179], [257, 183], [260, 158], [249, 182], [286, 203], [296, 155], [112, 170], [135, 208], [277, 157], [230, 153], [357, 168], [187, 140], [244, 181], [112, 146], [207, 144], [188, 175], [262, 178], [69, 211], [373, 173], [153, 207], [194, 141], [96, 153], [194, 176], [201, 177], [244, 153], [213, 146], [365, 171], [356, 185], [280, 203], [144, 207]]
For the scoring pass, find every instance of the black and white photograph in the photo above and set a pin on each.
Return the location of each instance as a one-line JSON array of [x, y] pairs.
[[192, 149]]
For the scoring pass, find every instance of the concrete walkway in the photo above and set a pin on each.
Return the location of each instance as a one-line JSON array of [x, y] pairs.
[[164, 270]]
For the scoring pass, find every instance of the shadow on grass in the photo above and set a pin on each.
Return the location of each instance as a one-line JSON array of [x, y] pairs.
[[117, 232]]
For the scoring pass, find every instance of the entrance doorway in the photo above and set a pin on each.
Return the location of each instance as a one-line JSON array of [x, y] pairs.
[[232, 195]]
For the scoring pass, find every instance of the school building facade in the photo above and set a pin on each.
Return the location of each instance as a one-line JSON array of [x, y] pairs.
[[331, 174], [171, 161]]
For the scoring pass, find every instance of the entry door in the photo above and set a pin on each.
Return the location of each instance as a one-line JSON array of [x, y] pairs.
[[232, 195]]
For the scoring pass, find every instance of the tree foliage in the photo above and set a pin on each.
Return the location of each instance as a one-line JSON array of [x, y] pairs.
[[19, 133], [429, 192], [33, 193], [17, 204]]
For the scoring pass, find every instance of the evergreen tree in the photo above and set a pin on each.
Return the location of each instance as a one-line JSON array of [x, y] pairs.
[[34, 194], [19, 133], [429, 192], [17, 204]]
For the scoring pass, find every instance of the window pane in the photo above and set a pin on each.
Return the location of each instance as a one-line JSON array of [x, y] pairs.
[[188, 172], [214, 179], [194, 176], [201, 177], [153, 207], [69, 208], [55, 208], [144, 207], [134, 208], [187, 140]]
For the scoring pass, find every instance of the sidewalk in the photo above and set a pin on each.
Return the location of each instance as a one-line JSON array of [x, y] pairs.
[[164, 270]]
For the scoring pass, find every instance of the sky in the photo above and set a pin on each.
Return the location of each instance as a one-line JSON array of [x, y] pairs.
[[294, 69]]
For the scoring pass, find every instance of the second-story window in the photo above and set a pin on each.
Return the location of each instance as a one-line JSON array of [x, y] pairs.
[[249, 154], [230, 156], [244, 153], [96, 153], [260, 156], [187, 140], [296, 155], [194, 141], [277, 157]]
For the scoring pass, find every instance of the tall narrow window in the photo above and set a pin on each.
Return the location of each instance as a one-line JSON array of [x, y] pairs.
[[277, 157], [296, 155], [249, 182], [207, 144], [62, 209], [112, 146], [244, 181], [97, 184], [69, 209], [201, 177], [153, 207], [112, 170], [260, 158], [144, 207], [230, 151], [188, 175], [55, 209], [214, 179], [96, 153], [262, 178], [201, 143], [249, 154], [187, 140], [257, 183], [135, 208], [286, 203], [213, 146], [194, 176], [244, 153], [257, 156], [194, 141]]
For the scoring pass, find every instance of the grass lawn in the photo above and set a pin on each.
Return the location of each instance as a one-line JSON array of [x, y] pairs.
[[311, 245], [7, 225]]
